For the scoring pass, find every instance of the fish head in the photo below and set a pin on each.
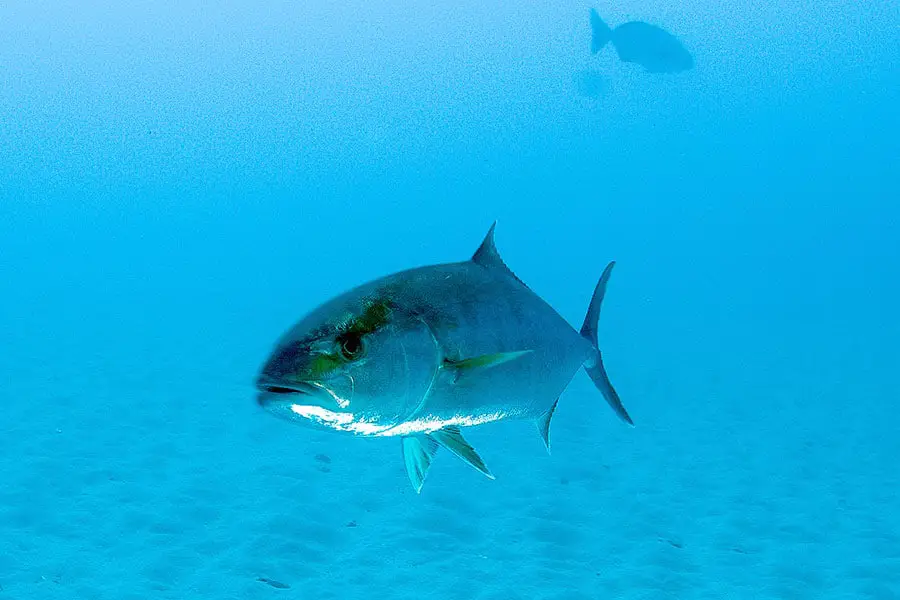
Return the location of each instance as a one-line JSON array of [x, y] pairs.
[[671, 57], [359, 363]]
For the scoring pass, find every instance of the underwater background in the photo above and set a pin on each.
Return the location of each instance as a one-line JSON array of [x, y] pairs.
[[181, 181]]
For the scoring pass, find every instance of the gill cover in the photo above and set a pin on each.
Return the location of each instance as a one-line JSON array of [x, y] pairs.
[[393, 374]]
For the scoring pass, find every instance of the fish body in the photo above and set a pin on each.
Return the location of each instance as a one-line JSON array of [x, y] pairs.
[[424, 352], [655, 49]]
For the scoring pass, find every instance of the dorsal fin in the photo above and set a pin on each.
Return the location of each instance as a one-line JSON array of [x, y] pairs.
[[488, 257]]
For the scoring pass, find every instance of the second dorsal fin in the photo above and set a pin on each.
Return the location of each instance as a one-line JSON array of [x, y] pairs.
[[488, 257]]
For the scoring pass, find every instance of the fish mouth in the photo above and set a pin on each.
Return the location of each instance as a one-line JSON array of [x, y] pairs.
[[278, 391]]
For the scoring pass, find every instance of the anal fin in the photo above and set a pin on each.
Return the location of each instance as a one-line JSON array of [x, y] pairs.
[[452, 439], [418, 451], [543, 425]]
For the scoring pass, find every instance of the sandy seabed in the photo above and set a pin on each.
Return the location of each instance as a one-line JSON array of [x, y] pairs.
[[131, 477]]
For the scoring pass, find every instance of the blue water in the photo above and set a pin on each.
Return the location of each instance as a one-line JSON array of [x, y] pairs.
[[180, 182]]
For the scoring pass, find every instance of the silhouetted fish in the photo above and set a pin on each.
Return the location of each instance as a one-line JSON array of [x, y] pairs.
[[655, 49], [423, 352]]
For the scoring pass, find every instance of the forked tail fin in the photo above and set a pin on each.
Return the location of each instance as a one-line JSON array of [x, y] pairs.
[[589, 332], [600, 32]]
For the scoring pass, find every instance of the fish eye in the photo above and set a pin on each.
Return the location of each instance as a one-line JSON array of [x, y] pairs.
[[352, 346]]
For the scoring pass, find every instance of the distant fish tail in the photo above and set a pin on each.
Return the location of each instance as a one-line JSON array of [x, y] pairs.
[[595, 368], [600, 32]]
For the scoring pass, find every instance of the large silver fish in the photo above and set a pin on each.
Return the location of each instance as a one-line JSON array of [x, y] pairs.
[[421, 353]]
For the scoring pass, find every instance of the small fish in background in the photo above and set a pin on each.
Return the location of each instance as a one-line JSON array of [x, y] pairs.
[[655, 49], [423, 352]]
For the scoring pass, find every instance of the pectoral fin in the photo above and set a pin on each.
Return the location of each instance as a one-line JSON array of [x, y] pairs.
[[451, 438], [418, 450], [469, 366]]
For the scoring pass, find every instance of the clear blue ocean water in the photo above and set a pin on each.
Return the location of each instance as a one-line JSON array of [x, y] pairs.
[[181, 181]]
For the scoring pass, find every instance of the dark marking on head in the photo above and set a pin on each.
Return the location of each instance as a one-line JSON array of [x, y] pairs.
[[322, 364], [349, 334], [375, 314]]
